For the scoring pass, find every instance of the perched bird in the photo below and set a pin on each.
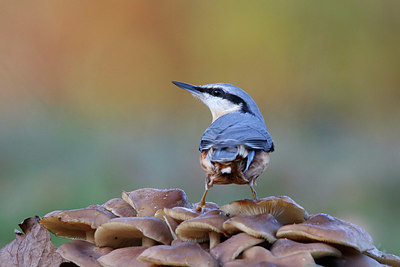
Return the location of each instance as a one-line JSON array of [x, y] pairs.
[[235, 147]]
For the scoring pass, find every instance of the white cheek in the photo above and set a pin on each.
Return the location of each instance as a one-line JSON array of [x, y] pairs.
[[218, 106]]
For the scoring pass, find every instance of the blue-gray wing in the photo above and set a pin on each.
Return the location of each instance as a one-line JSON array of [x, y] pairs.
[[236, 129]]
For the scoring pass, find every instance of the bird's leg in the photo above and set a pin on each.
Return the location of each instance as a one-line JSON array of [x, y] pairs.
[[251, 184], [202, 203]]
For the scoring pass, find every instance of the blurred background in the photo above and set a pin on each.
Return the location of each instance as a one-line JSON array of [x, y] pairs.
[[87, 108]]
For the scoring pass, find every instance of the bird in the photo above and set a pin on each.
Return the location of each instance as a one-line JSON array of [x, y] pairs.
[[235, 148]]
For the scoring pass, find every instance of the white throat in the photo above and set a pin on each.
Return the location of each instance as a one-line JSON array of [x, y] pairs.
[[219, 106]]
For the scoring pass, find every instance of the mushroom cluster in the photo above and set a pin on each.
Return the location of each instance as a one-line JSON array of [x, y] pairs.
[[152, 227]]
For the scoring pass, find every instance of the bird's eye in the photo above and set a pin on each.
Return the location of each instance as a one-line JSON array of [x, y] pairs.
[[217, 92]]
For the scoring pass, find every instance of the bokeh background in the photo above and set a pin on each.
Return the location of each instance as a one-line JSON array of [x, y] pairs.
[[87, 108]]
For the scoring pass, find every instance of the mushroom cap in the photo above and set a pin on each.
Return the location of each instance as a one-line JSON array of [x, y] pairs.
[[261, 226], [249, 262], [82, 252], [284, 247], [79, 223], [147, 201], [129, 231], [283, 208], [181, 213], [383, 258], [232, 247], [262, 254], [350, 260], [183, 254], [209, 206], [325, 228], [124, 257], [170, 222], [120, 207], [198, 228]]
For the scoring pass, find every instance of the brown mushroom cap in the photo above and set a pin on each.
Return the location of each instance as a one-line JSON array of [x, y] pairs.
[[328, 229], [131, 231], [171, 223], [124, 257], [383, 258], [181, 213], [120, 207], [351, 260], [209, 206], [183, 254], [79, 223], [205, 227], [232, 247], [82, 253], [262, 254], [283, 208], [284, 247], [249, 262], [147, 201], [261, 226]]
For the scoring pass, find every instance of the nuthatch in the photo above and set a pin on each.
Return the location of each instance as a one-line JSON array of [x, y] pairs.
[[235, 147]]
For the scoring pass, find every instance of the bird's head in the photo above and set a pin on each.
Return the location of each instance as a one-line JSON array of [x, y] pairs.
[[222, 98]]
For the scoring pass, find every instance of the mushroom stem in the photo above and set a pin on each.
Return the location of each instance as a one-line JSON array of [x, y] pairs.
[[90, 236], [214, 239], [148, 242]]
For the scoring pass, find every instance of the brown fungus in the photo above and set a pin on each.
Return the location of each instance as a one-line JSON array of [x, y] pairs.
[[122, 257], [82, 252], [232, 247], [147, 201], [261, 226], [181, 214], [354, 259], [384, 258], [328, 229], [264, 255], [79, 223], [132, 231], [183, 254], [284, 247], [169, 221], [207, 226], [283, 208], [120, 207]]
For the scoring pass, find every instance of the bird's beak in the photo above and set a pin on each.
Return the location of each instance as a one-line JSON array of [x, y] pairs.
[[188, 87]]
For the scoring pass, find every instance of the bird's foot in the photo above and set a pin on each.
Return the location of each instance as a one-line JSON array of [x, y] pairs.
[[201, 207], [253, 191]]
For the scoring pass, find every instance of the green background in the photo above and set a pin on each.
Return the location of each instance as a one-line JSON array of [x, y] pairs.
[[87, 108]]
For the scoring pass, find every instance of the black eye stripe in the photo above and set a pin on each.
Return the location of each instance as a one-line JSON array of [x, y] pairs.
[[231, 97]]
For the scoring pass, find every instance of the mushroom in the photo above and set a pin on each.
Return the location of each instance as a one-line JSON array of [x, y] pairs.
[[250, 262], [261, 255], [261, 226], [325, 228], [283, 208], [232, 247], [82, 252], [120, 208], [207, 226], [384, 258], [181, 214], [171, 223], [132, 231], [147, 201], [79, 223], [350, 260], [209, 206], [284, 247], [124, 257], [183, 254]]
